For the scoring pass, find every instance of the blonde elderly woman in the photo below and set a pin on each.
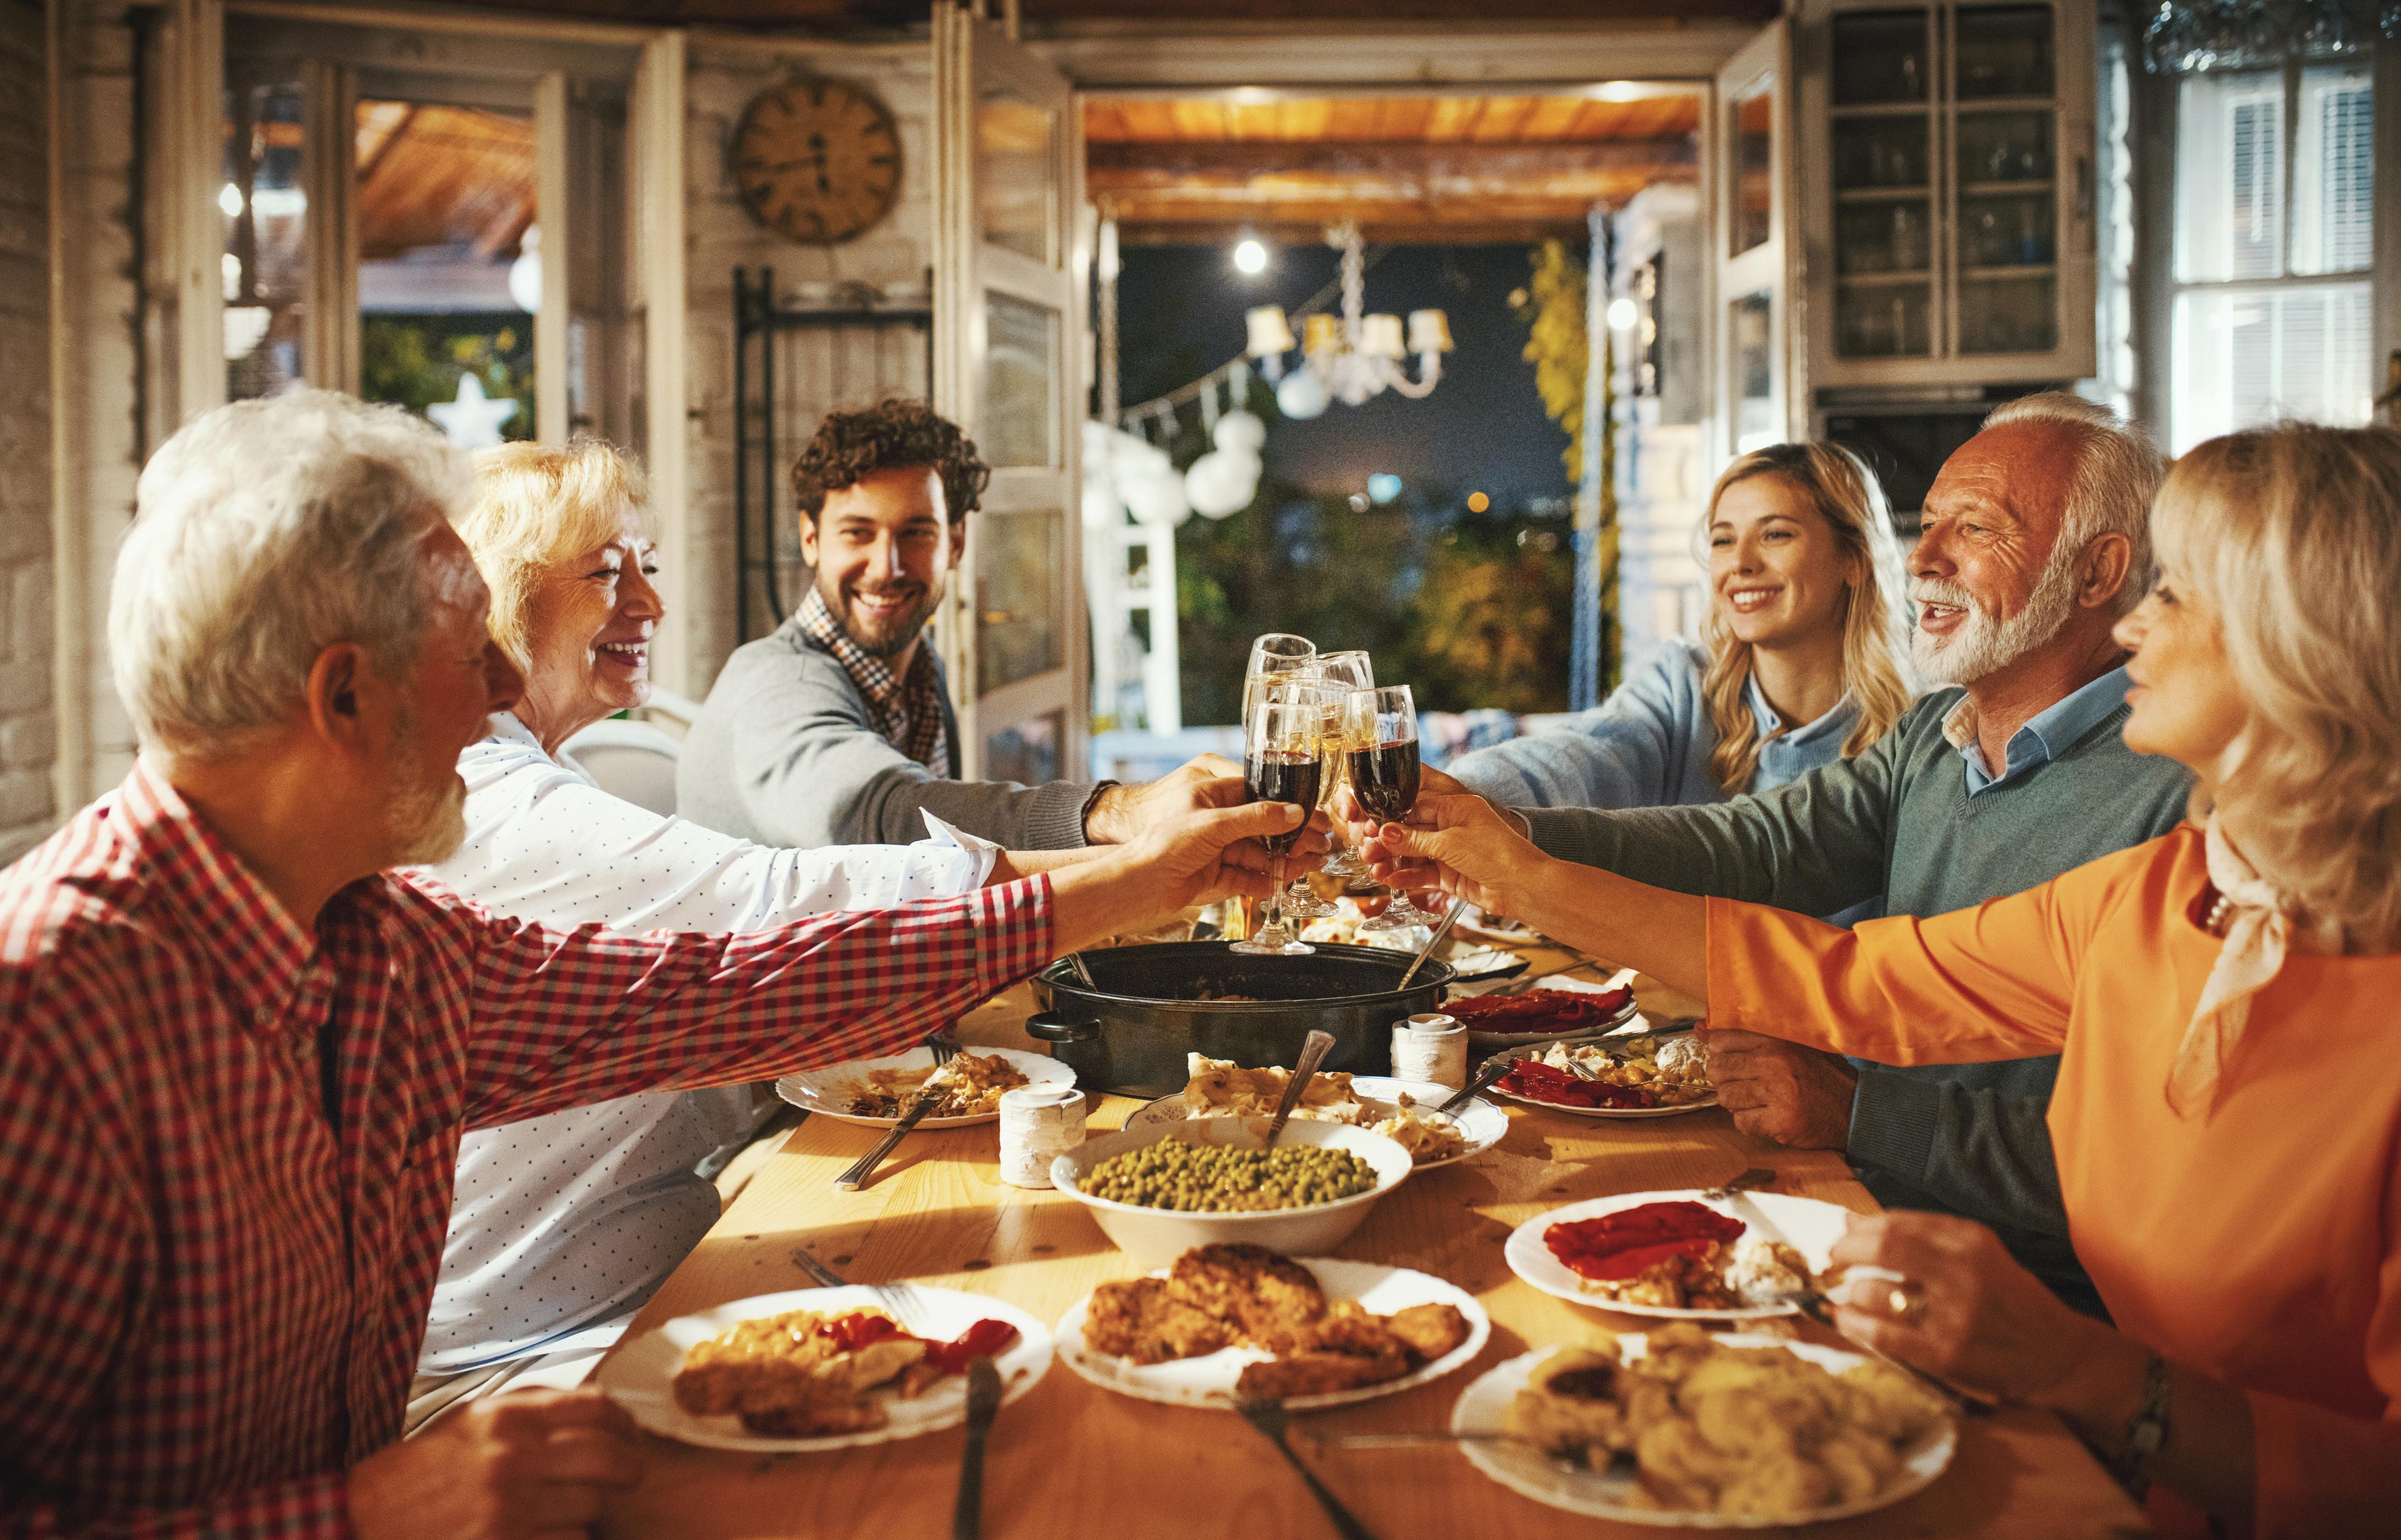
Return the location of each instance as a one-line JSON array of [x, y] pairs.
[[563, 1225], [2227, 1115]]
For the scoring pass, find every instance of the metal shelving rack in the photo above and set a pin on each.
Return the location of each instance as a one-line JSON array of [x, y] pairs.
[[757, 318]]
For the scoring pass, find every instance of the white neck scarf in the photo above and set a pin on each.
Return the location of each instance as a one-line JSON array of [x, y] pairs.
[[2258, 928]]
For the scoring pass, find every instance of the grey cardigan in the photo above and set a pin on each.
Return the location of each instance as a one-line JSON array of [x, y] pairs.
[[785, 752]]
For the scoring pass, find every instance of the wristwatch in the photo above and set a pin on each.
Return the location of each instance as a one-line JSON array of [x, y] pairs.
[[2147, 1431]]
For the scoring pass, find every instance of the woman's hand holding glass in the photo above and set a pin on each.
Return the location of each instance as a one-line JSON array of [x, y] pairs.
[[1456, 842]]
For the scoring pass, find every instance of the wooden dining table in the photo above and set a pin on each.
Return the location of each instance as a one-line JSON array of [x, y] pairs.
[[1070, 1458]]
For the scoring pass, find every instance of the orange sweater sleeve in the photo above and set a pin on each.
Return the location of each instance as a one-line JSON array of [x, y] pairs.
[[1993, 982]]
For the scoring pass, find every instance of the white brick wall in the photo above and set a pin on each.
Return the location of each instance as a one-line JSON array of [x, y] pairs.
[[28, 728]]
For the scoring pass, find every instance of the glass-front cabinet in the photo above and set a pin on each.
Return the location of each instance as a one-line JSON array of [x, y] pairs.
[[1947, 168]]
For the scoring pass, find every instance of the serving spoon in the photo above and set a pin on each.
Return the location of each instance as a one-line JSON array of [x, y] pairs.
[[1314, 1050]]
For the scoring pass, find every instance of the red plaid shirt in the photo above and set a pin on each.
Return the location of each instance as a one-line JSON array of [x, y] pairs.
[[211, 1299]]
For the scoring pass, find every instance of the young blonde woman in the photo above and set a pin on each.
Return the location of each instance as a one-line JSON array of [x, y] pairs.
[[1798, 665], [2227, 1115]]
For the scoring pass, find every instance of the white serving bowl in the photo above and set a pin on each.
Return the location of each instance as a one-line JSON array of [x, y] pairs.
[[1155, 1237]]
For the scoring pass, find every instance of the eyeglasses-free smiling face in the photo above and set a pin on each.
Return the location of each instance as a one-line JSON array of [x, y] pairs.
[[2186, 702], [1775, 565], [882, 548], [1989, 580], [590, 628]]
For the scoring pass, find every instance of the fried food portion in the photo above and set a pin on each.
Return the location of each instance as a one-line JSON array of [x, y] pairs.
[[1430, 1332], [1225, 1295], [1756, 1432], [1139, 1320], [1266, 1298], [786, 1378]]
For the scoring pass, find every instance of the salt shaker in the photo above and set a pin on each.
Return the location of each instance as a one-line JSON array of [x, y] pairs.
[[1038, 1124], [1430, 1047]]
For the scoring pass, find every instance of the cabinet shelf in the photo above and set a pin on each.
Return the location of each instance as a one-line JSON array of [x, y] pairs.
[[1883, 109], [1992, 152]]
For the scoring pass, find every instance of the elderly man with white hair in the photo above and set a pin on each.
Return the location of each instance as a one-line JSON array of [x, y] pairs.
[[2034, 543], [240, 1049]]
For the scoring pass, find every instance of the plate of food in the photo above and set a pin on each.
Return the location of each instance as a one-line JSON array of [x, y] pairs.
[[1686, 1429], [1401, 1110], [1542, 1014], [875, 1092], [1687, 1255], [1650, 1074], [1471, 962], [1476, 921], [823, 1368], [1230, 1323]]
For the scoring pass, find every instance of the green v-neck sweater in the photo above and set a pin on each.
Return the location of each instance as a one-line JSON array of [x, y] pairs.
[[1898, 821]]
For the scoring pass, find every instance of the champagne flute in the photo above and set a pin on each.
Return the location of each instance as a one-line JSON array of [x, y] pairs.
[[1282, 761], [1380, 746], [1344, 672], [1274, 654]]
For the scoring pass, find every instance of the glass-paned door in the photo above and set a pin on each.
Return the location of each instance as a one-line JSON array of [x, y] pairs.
[[1008, 323], [1882, 107], [1752, 158], [2006, 203]]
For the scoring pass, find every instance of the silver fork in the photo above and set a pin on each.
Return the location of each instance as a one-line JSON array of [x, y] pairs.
[[1270, 1419], [944, 1049], [894, 1298]]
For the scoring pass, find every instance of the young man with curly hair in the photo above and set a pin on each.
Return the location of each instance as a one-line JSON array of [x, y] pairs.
[[837, 728]]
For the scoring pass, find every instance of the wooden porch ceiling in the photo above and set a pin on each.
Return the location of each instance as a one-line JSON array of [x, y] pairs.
[[1410, 168], [822, 15]]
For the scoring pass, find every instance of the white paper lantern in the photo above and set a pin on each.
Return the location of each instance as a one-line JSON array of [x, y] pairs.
[[1301, 395], [1220, 484], [1240, 431], [1156, 497]]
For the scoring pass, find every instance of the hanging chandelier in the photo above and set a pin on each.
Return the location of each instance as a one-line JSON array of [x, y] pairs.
[[1352, 357]]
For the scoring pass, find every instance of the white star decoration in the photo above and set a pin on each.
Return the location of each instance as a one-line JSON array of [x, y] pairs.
[[473, 420]]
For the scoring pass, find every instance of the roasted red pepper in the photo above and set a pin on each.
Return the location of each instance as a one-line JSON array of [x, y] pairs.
[[1629, 1243], [986, 1339], [1541, 1082], [1560, 1010]]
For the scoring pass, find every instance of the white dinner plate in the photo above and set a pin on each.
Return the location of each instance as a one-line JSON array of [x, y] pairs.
[[641, 1375], [1483, 1123], [1209, 1380], [1476, 922], [1485, 1404], [827, 1093], [1534, 1050], [1809, 1226]]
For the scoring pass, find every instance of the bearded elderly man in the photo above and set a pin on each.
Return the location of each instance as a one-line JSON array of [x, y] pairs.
[[2035, 542], [836, 729], [239, 1049]]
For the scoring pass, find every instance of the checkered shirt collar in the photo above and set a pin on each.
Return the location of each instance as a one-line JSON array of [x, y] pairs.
[[244, 930], [908, 710]]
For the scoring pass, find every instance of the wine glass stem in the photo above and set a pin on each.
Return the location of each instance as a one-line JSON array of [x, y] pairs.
[[1275, 893]]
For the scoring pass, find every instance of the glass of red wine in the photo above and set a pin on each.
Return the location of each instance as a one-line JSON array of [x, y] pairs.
[[1282, 761], [1379, 743]]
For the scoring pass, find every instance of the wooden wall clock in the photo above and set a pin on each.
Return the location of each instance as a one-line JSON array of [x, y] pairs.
[[817, 160]]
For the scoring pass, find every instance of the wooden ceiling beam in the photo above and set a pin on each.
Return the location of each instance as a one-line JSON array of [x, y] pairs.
[[1411, 231], [1228, 162]]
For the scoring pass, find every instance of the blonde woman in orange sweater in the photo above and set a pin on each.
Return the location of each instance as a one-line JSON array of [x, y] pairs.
[[2227, 1118]]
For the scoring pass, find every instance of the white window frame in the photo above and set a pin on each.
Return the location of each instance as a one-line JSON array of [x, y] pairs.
[[2163, 373]]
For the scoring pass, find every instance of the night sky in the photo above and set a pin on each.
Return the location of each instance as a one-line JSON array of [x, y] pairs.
[[1180, 312]]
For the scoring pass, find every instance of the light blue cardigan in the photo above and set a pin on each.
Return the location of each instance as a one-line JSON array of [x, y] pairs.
[[1648, 745]]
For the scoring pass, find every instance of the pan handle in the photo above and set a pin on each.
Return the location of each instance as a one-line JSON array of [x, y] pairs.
[[1052, 1027]]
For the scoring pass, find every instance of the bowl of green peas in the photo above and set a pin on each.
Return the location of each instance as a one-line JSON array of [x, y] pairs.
[[1159, 1191]]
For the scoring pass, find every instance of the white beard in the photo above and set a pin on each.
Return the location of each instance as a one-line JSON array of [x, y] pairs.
[[1983, 645]]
